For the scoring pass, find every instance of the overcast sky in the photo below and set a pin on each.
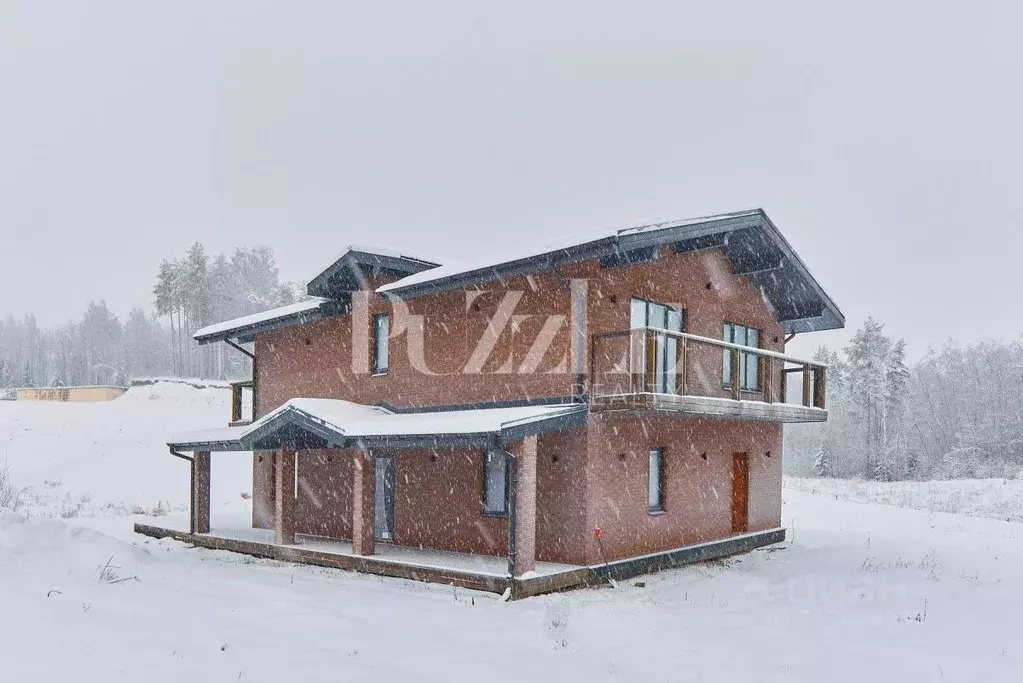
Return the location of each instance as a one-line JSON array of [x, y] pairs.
[[884, 140]]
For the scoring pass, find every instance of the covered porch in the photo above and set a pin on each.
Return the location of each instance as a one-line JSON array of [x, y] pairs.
[[486, 573], [365, 441]]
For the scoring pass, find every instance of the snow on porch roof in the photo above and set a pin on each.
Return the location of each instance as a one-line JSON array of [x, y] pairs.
[[318, 422]]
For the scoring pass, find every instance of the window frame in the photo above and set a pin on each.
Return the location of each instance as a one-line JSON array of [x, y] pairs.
[[487, 455], [668, 309], [384, 344], [751, 359], [659, 508]]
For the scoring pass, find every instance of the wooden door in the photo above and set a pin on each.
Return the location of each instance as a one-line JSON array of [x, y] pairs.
[[740, 492]]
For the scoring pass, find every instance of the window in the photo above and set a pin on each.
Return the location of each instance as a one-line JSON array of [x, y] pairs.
[[495, 483], [659, 316], [381, 332], [749, 363], [665, 349], [655, 481]]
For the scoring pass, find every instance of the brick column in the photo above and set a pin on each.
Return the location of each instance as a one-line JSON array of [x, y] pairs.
[[364, 503], [284, 483], [525, 505], [200, 508]]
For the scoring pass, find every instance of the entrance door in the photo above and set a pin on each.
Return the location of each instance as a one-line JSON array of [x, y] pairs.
[[383, 514], [740, 492]]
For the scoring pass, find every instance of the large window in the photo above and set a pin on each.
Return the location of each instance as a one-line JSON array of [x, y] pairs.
[[381, 332], [655, 481], [749, 365], [664, 348], [495, 483]]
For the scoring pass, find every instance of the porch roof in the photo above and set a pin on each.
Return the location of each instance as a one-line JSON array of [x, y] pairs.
[[327, 423]]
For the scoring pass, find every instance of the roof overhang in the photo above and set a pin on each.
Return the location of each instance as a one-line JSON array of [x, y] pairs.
[[324, 423], [244, 329], [756, 248]]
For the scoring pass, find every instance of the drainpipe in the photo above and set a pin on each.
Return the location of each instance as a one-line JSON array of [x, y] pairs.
[[180, 455], [239, 348]]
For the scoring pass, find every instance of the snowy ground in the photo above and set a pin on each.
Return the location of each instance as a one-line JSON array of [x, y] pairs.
[[997, 498], [861, 592]]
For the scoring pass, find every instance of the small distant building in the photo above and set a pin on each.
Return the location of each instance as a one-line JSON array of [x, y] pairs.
[[69, 394]]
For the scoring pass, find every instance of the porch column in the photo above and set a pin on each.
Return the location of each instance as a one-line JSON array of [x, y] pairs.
[[284, 496], [199, 522], [364, 503], [524, 514]]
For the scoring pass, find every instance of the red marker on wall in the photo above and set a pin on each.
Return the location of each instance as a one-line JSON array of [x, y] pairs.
[[597, 534]]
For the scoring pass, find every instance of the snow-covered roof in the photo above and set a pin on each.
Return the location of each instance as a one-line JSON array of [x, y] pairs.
[[754, 245], [344, 423], [553, 248], [307, 310]]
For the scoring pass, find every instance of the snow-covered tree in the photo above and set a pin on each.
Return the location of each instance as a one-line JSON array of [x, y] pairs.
[[822, 463], [6, 376], [27, 378]]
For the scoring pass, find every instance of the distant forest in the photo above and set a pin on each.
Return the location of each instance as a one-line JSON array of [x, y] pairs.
[[956, 413], [190, 292]]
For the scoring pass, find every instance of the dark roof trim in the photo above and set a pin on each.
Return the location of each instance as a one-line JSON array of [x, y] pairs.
[[213, 446], [246, 333], [689, 235], [480, 405]]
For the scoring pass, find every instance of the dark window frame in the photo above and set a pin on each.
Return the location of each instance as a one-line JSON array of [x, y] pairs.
[[487, 511], [752, 359], [377, 343], [659, 507]]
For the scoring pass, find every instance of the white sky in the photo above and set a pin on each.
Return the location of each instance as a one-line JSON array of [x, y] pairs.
[[882, 140]]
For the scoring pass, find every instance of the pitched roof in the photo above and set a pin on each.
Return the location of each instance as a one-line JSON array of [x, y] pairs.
[[754, 245], [349, 270], [558, 250], [334, 422]]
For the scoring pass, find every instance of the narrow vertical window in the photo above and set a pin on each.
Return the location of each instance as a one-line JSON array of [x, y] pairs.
[[495, 483], [655, 481], [381, 333]]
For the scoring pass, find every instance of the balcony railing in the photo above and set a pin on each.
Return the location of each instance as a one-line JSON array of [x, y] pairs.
[[649, 361]]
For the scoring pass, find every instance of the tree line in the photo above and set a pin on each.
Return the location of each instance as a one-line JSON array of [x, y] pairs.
[[190, 292], [954, 413]]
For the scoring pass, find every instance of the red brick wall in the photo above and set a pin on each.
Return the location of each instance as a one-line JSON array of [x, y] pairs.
[[698, 492], [682, 280], [586, 477], [315, 360]]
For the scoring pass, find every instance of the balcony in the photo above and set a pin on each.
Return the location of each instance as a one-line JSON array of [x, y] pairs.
[[655, 369]]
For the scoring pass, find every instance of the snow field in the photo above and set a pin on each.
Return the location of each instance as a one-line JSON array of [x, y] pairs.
[[860, 592]]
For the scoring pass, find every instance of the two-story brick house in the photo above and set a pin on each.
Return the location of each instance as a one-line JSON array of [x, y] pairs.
[[635, 383]]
